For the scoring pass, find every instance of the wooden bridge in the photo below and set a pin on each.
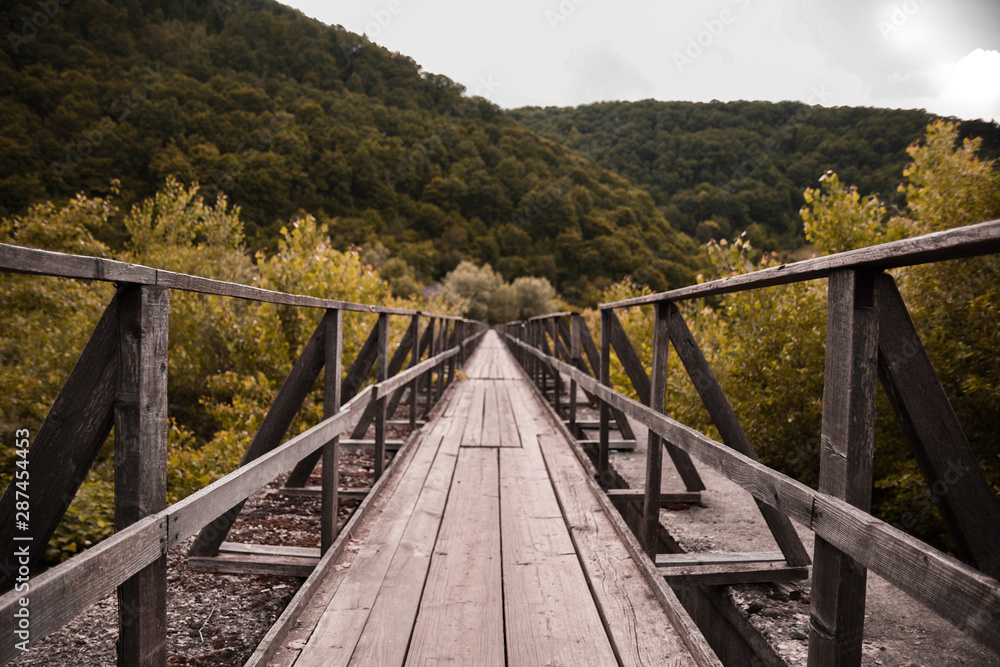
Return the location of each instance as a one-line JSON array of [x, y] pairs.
[[500, 533]]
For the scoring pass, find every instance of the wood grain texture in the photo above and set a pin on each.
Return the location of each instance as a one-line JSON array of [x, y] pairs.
[[256, 564], [460, 621], [141, 464], [837, 613], [334, 352], [733, 573]]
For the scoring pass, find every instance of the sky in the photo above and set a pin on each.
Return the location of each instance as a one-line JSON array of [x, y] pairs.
[[939, 55]]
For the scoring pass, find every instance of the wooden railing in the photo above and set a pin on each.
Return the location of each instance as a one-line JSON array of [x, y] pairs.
[[869, 337], [120, 380]]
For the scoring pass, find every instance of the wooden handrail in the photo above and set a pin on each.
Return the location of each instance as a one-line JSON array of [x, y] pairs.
[[959, 593], [969, 241]]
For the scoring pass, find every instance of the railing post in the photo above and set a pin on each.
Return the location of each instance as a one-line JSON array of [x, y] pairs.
[[381, 368], [331, 405], [847, 445], [574, 350], [654, 448], [455, 340], [556, 378], [414, 360], [602, 449], [141, 464], [429, 375]]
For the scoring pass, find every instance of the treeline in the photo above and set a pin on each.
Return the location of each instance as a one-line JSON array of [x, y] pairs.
[[718, 169], [286, 115]]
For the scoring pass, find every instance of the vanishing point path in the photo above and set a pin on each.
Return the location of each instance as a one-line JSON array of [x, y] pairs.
[[487, 545]]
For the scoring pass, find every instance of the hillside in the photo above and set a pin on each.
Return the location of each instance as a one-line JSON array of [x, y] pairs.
[[717, 169], [287, 115]]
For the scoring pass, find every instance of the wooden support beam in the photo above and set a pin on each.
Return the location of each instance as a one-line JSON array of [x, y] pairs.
[[395, 365], [141, 464], [732, 433], [576, 360], [735, 573], [431, 351], [656, 399], [848, 441], [557, 379], [255, 564], [333, 350], [381, 373], [959, 488], [66, 445], [414, 360], [605, 379], [317, 492], [356, 375], [666, 498], [286, 405], [719, 558], [637, 374]]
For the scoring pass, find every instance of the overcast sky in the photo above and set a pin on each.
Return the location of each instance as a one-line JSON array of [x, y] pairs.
[[941, 55]]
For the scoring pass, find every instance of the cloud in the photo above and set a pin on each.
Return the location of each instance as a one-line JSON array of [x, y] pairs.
[[973, 91], [599, 72]]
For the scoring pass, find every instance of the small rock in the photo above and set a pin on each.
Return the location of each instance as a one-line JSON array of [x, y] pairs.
[[771, 613], [754, 608], [798, 634]]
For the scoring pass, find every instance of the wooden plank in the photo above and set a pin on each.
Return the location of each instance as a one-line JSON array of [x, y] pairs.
[[613, 445], [509, 437], [141, 464], [666, 498], [461, 612], [958, 593], [604, 435], [386, 635], [276, 422], [837, 619], [255, 564], [317, 492], [491, 417], [59, 594], [640, 629], [718, 558], [66, 445], [473, 434], [656, 398], [959, 488], [414, 360], [269, 550], [381, 374], [551, 618], [729, 427], [968, 241], [334, 348], [734, 573]]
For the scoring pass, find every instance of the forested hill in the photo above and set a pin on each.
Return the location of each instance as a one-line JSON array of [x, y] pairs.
[[717, 169], [287, 115]]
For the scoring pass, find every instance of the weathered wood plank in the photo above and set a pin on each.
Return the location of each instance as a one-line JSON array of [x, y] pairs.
[[666, 498], [509, 436], [381, 374], [66, 445], [656, 399], [640, 630], [837, 616], [473, 434], [491, 416], [269, 549], [461, 612], [733, 573], [959, 488], [395, 365], [729, 427], [718, 558], [969, 241], [255, 564], [332, 366], [141, 464]]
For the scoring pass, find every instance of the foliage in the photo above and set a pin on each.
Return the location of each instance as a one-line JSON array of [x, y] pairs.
[[286, 115], [485, 296], [717, 169]]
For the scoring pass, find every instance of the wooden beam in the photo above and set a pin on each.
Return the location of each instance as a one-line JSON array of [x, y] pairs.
[[395, 364], [333, 351], [279, 417], [718, 558], [968, 241], [848, 442], [656, 398], [381, 373], [603, 466], [734, 573], [729, 427], [666, 498], [356, 375], [959, 488], [414, 360], [637, 374], [141, 464], [66, 446], [255, 564]]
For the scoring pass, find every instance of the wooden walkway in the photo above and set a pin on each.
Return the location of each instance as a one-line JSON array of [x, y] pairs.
[[487, 546]]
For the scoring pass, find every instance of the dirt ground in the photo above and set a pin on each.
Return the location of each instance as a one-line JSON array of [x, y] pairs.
[[899, 631]]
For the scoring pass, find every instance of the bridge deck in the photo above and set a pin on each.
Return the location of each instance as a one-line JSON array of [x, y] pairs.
[[488, 547]]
